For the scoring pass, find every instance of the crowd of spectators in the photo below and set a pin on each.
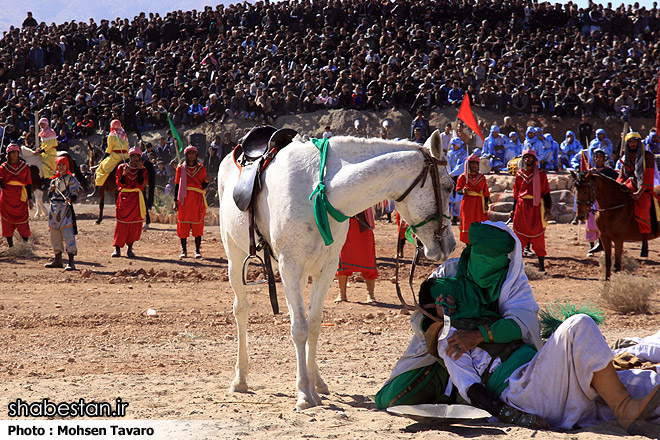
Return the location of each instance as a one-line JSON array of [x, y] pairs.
[[259, 61]]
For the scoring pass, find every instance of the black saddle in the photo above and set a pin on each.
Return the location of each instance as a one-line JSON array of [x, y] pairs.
[[257, 149], [259, 145]]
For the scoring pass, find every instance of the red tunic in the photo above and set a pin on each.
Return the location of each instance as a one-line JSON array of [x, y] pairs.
[[128, 214], [193, 209], [644, 203], [473, 203], [358, 253], [13, 210], [528, 220]]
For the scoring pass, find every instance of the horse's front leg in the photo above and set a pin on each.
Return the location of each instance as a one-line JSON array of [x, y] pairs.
[[241, 307], [101, 203], [607, 247], [319, 290], [618, 254], [292, 279]]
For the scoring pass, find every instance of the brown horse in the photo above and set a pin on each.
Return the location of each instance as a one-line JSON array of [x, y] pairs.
[[95, 154], [615, 216]]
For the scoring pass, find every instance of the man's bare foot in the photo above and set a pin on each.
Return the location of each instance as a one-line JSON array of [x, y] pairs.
[[341, 298]]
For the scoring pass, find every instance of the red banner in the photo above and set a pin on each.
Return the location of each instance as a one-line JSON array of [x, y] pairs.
[[465, 114]]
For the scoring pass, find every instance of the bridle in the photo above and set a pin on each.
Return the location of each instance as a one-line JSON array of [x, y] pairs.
[[430, 167], [592, 196]]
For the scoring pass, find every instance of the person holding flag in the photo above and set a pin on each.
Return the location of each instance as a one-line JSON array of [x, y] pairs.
[[456, 157], [474, 189], [131, 207], [116, 152], [15, 195], [190, 201], [531, 205], [63, 191], [48, 148]]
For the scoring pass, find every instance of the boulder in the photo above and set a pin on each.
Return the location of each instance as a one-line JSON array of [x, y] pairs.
[[562, 195], [495, 188], [565, 217], [498, 216], [502, 207], [501, 197], [553, 184]]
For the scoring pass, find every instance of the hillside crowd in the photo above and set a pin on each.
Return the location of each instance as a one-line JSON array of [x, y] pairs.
[[263, 60]]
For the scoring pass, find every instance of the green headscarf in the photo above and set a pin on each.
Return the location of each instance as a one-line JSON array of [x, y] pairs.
[[482, 269]]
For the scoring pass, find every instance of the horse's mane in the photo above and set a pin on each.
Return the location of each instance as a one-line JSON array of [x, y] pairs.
[[375, 145]]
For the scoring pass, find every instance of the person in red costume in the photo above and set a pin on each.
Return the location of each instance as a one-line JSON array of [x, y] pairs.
[[474, 206], [190, 201], [131, 207], [531, 205], [637, 172], [16, 195]]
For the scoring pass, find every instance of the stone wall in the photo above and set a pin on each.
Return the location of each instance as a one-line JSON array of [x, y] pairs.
[[501, 197]]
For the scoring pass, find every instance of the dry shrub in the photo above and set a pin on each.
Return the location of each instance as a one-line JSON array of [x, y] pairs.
[[163, 203], [532, 272], [627, 293], [21, 249], [628, 263]]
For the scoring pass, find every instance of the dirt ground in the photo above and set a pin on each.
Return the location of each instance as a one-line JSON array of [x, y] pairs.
[[67, 335]]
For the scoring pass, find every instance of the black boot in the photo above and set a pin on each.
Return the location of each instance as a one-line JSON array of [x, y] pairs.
[[541, 264], [71, 266], [198, 247], [595, 249], [10, 241], [116, 253], [56, 263], [184, 249], [25, 239], [454, 220], [484, 399], [527, 252], [129, 251], [645, 249]]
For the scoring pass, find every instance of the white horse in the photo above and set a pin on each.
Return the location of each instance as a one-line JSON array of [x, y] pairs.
[[359, 174], [34, 160]]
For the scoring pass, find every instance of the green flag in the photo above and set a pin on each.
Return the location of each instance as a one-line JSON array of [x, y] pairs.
[[179, 147]]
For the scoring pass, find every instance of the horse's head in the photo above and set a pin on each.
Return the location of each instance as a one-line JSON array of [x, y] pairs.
[[585, 196], [426, 207]]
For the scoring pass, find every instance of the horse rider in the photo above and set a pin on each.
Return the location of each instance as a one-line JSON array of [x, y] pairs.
[[637, 173], [116, 152], [48, 148], [63, 192], [190, 201], [131, 207], [531, 205], [592, 233], [15, 195]]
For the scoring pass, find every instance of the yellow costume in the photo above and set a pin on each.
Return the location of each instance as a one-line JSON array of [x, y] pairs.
[[117, 150], [48, 149]]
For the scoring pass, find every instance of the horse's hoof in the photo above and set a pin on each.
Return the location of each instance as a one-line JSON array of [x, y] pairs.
[[98, 222], [304, 402], [238, 386], [322, 388]]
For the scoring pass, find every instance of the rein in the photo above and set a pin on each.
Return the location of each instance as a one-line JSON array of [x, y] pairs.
[[430, 167], [592, 198]]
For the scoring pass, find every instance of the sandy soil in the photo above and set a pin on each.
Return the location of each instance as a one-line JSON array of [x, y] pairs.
[[68, 335]]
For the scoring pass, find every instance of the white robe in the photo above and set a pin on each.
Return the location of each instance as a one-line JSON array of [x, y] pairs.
[[556, 383]]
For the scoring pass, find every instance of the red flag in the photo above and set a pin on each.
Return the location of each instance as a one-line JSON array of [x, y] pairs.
[[657, 107], [584, 161], [465, 114]]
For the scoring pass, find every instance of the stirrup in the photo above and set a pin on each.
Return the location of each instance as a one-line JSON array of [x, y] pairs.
[[246, 262]]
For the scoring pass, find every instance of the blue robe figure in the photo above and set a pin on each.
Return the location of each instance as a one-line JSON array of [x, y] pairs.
[[569, 148], [531, 141], [515, 147], [550, 158], [456, 158], [601, 141], [652, 142], [495, 146], [576, 160]]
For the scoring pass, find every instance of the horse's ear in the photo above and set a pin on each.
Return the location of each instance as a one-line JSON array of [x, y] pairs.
[[434, 143], [575, 176]]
